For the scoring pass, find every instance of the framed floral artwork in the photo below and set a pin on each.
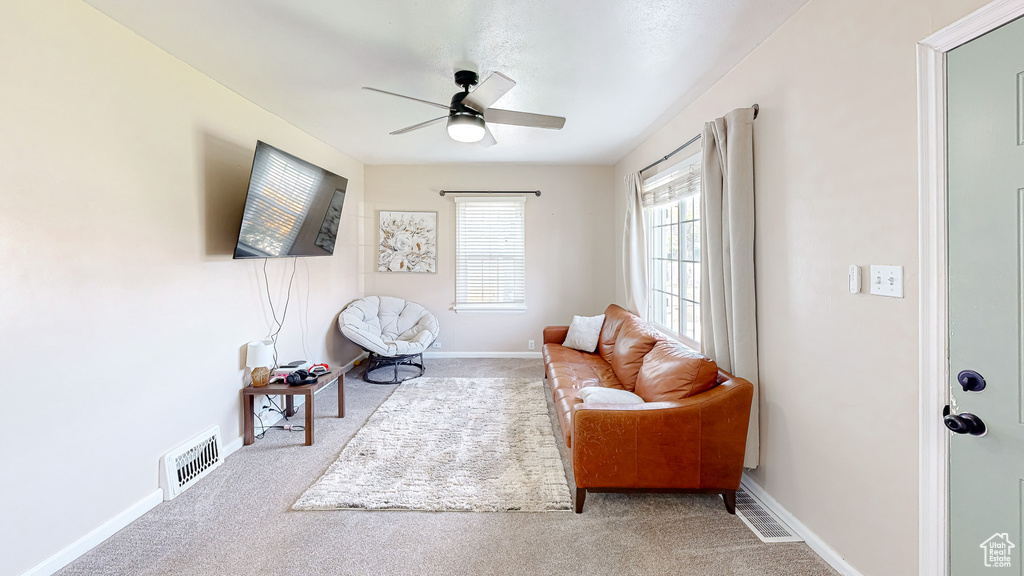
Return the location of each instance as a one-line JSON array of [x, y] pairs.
[[407, 241]]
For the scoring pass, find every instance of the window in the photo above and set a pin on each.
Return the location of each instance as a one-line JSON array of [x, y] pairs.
[[490, 254], [672, 203]]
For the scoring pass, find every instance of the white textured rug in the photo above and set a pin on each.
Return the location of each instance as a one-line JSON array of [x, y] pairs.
[[440, 444]]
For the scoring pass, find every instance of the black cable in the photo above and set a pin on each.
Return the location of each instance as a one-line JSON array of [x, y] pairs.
[[277, 408], [288, 297], [304, 318], [270, 300], [263, 429], [288, 427], [284, 313]]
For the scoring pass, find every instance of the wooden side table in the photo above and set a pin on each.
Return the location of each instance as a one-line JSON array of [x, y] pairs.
[[250, 392]]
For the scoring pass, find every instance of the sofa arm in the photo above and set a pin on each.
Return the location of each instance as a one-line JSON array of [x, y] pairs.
[[696, 443], [555, 334]]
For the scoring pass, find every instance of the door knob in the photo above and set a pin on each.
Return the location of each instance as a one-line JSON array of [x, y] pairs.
[[965, 423], [971, 381]]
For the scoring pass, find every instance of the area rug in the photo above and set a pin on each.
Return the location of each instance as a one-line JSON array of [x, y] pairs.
[[450, 444]]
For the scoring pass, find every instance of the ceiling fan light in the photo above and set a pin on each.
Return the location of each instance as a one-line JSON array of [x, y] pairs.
[[466, 127]]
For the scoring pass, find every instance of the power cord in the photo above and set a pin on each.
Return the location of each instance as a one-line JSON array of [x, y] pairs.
[[276, 408], [263, 429], [304, 317], [284, 313], [288, 427]]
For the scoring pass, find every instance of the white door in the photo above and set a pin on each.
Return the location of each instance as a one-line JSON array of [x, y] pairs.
[[985, 130]]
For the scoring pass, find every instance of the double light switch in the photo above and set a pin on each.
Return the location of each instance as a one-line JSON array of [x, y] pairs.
[[886, 281]]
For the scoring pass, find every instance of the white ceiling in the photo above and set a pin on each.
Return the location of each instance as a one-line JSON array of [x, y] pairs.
[[616, 69]]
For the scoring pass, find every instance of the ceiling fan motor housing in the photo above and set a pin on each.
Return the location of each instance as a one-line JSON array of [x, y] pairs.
[[457, 107]]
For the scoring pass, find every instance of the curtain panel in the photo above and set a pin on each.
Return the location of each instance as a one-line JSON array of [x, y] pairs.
[[634, 247], [728, 302]]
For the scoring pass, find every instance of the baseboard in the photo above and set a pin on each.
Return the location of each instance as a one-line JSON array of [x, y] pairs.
[[481, 355], [232, 447], [817, 544], [110, 527], [362, 356], [96, 537]]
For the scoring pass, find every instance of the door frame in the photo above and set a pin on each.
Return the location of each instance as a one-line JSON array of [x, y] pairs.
[[933, 527]]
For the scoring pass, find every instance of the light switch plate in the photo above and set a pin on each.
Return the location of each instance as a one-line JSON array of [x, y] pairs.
[[887, 281]]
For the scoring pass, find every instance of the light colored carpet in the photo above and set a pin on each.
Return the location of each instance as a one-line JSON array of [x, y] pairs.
[[239, 521], [450, 444]]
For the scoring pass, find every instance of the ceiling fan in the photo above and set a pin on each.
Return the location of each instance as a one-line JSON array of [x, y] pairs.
[[469, 112]]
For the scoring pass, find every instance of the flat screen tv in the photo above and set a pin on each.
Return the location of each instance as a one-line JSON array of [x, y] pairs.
[[293, 208]]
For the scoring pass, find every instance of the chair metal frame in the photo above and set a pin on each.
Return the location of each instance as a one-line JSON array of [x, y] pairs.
[[377, 361]]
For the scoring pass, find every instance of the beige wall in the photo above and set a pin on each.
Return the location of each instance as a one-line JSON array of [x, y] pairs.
[[122, 177], [568, 240], [835, 161]]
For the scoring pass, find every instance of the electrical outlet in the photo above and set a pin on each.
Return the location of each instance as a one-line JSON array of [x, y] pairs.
[[530, 344], [436, 345]]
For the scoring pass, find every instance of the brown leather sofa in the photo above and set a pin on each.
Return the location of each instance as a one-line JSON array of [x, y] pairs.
[[689, 434]]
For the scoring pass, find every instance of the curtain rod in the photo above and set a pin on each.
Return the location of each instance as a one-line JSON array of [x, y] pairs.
[[688, 142], [443, 192]]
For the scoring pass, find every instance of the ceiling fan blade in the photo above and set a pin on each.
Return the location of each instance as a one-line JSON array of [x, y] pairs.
[[445, 106], [495, 86], [420, 125], [514, 118], [488, 140]]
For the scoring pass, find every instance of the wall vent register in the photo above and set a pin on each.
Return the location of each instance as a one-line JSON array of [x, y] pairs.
[[190, 462], [766, 525]]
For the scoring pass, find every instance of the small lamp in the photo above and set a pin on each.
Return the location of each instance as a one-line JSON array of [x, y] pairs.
[[259, 356]]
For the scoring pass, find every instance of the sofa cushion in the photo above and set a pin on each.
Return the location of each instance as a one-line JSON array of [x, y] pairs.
[[558, 354], [671, 372], [576, 376], [584, 332], [634, 340], [564, 408], [614, 316]]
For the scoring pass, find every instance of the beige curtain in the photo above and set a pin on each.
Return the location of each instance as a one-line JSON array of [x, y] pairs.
[[634, 247], [728, 304]]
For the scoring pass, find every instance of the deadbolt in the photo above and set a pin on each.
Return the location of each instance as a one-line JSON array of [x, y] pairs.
[[971, 381]]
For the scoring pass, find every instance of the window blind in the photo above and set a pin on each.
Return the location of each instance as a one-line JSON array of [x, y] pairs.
[[280, 193], [672, 186], [490, 254]]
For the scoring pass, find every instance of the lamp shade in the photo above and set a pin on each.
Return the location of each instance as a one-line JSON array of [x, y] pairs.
[[466, 127], [260, 353]]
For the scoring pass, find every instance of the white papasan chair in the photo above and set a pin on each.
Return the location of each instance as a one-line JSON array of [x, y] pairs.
[[394, 331]]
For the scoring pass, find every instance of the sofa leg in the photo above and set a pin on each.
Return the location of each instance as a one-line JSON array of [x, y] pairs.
[[581, 496], [730, 501]]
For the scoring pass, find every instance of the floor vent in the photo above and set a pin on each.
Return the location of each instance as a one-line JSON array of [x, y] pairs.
[[190, 462], [761, 520]]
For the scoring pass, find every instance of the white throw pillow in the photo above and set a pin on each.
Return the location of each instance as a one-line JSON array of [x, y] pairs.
[[602, 395], [584, 332]]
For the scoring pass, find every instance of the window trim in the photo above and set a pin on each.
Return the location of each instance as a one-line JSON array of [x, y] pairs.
[[649, 232], [488, 307], [689, 342]]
